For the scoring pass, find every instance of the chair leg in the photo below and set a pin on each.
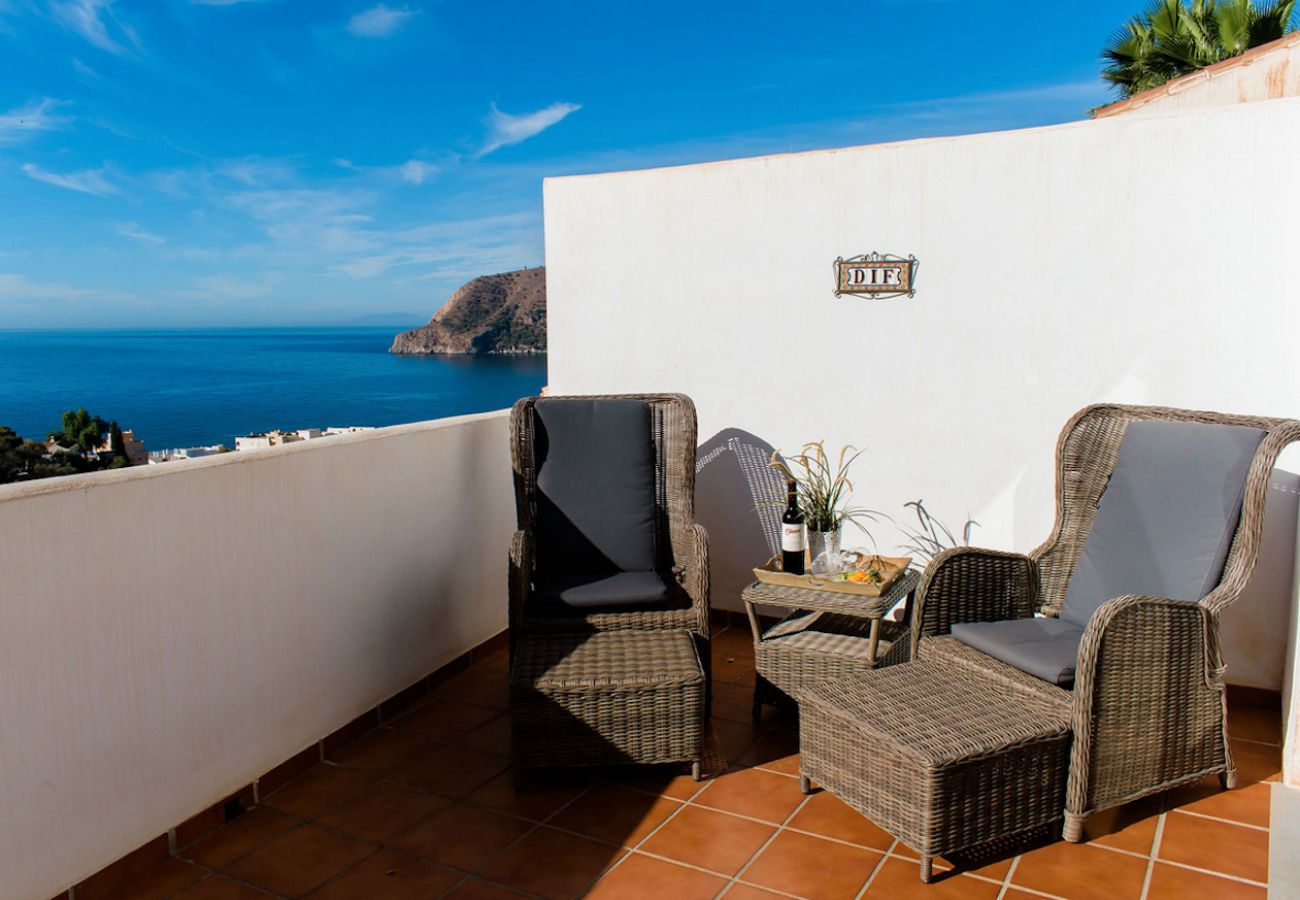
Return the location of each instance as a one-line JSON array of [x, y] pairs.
[[1073, 830], [805, 783], [927, 869], [695, 770], [1228, 779]]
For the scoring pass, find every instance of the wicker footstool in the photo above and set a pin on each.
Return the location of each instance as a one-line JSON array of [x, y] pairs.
[[607, 698], [941, 757]]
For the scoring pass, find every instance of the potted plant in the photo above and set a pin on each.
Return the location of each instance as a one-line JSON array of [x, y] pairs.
[[824, 491]]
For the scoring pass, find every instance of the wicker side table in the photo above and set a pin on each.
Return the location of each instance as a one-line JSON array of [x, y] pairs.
[[940, 756], [607, 698], [828, 635]]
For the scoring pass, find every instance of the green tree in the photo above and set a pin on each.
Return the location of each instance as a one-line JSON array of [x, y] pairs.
[[19, 458], [1175, 37], [82, 429], [117, 444]]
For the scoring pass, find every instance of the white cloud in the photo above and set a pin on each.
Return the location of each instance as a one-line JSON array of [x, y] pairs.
[[415, 171], [95, 21], [379, 21], [133, 231], [22, 122], [505, 129], [87, 181]]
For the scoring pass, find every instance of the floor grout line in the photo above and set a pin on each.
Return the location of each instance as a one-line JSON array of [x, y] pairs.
[[1155, 851], [770, 838], [1221, 819]]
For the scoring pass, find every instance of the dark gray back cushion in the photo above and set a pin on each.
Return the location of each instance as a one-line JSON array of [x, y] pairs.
[[596, 486], [1168, 516]]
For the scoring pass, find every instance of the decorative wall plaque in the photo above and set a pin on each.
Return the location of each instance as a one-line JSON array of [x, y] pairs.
[[876, 275]]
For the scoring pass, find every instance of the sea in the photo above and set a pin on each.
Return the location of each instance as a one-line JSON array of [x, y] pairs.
[[196, 388]]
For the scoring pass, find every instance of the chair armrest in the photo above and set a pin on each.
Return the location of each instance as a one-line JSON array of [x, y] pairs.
[[695, 575], [969, 584], [520, 576], [1148, 701]]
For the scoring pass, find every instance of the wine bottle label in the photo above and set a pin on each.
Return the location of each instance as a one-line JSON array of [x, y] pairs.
[[792, 539]]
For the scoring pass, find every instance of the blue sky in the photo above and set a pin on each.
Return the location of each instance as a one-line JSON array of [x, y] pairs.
[[172, 163]]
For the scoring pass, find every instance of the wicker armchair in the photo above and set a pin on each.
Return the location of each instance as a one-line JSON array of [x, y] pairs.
[[682, 544], [1147, 707]]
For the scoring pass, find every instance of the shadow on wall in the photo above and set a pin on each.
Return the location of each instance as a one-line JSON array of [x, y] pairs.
[[732, 480], [1255, 628]]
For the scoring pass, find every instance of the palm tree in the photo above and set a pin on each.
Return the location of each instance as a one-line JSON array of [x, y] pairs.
[[1174, 37]]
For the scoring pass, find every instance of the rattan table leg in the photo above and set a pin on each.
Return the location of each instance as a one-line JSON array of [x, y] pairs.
[[927, 869], [805, 783]]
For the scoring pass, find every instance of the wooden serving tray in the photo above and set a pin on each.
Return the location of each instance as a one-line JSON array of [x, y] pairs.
[[891, 568]]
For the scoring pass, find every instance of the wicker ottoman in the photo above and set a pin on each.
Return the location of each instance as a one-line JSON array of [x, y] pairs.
[[941, 757], [606, 698]]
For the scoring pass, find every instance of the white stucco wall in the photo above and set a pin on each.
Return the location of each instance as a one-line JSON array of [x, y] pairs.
[[1133, 259], [234, 610]]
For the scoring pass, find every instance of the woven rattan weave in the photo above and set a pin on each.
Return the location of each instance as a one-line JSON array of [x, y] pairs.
[[606, 698], [940, 756], [827, 636], [1147, 711], [683, 544]]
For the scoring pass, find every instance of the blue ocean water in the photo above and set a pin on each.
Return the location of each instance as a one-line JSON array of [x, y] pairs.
[[200, 387]]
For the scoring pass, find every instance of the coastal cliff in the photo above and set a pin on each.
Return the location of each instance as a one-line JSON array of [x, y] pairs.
[[503, 313]]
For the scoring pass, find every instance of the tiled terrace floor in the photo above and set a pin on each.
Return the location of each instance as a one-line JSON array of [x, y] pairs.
[[424, 807]]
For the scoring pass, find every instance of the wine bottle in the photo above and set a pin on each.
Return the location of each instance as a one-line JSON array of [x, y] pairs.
[[793, 537]]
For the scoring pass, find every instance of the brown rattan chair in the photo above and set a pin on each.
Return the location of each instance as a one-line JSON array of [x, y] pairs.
[[1147, 707], [682, 544]]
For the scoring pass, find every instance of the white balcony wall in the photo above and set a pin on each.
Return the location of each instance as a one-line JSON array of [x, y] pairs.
[[1141, 260], [168, 634]]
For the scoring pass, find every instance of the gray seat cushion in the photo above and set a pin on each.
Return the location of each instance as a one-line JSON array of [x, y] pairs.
[[621, 590], [596, 487], [1045, 648], [1168, 516]]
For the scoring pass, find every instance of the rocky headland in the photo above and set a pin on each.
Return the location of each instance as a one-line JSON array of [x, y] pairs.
[[501, 314]]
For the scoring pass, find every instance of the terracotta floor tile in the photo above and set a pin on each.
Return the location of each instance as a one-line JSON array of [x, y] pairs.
[[1129, 827], [776, 750], [666, 781], [711, 840], [494, 737], [637, 877], [812, 867], [391, 876], [1248, 804], [826, 814], [739, 891], [733, 701], [753, 792], [451, 771], [316, 790], [299, 860], [552, 863], [537, 801], [156, 883], [218, 887], [1081, 872], [482, 687], [733, 667], [383, 811], [1255, 724], [734, 737], [443, 719], [463, 836], [381, 751], [615, 815], [1217, 846], [474, 889], [900, 879], [1256, 762], [235, 838], [1172, 883]]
